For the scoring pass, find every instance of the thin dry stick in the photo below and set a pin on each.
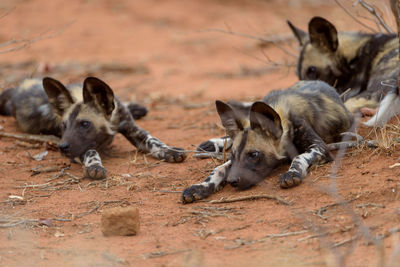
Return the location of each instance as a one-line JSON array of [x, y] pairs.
[[32, 138], [287, 234], [254, 197], [341, 243], [353, 17], [26, 221], [334, 192], [224, 151], [25, 43], [89, 212], [252, 37], [372, 10], [323, 209], [395, 6], [8, 225], [5, 14], [158, 254], [370, 204], [386, 234], [326, 233]]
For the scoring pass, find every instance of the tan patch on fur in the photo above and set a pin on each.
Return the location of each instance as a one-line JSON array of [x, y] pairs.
[[293, 103], [349, 44], [76, 93], [354, 104], [389, 46], [29, 83]]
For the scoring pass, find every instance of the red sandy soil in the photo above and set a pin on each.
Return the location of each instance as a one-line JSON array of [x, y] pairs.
[[161, 54]]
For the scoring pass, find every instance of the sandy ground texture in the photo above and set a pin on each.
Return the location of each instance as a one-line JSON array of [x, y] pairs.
[[166, 55]]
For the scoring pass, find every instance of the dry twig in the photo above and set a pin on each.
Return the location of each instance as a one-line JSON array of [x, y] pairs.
[[323, 209], [261, 39], [287, 234], [7, 13], [253, 197], [23, 43], [353, 17], [348, 240], [51, 139], [372, 10], [158, 254]]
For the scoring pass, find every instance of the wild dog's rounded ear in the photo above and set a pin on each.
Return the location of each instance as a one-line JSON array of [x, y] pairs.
[[228, 118], [265, 118], [59, 96], [98, 92], [323, 35], [301, 35]]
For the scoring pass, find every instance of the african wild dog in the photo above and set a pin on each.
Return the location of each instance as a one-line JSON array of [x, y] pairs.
[[362, 67], [291, 124], [86, 117]]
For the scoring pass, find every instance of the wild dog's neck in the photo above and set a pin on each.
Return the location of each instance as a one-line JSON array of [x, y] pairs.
[[359, 51]]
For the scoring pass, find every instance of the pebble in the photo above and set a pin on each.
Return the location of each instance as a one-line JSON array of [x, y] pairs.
[[120, 221]]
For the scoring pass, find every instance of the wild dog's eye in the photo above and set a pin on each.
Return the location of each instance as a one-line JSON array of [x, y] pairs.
[[84, 124], [312, 73], [253, 155]]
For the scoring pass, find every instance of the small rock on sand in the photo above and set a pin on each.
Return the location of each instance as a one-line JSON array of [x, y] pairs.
[[120, 221]]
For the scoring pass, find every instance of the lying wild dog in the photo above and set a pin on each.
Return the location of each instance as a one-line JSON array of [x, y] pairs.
[[362, 67], [86, 117], [290, 124]]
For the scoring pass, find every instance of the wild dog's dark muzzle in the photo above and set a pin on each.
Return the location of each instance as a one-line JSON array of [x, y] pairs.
[[241, 184], [243, 178], [64, 148]]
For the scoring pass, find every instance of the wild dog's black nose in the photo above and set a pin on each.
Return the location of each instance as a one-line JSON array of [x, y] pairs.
[[63, 147], [234, 183]]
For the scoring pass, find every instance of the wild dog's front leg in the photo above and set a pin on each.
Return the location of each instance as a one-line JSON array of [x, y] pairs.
[[213, 147], [214, 182], [316, 151], [148, 144], [92, 166]]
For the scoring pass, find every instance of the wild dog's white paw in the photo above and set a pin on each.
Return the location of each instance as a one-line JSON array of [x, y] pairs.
[[290, 179], [95, 171], [196, 192], [174, 155]]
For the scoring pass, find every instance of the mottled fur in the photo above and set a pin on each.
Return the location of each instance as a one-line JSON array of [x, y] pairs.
[[362, 67], [288, 124], [85, 116]]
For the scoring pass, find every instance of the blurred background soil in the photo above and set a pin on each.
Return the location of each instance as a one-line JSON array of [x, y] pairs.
[[171, 56]]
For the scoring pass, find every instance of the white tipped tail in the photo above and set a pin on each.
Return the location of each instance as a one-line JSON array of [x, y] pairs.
[[389, 107]]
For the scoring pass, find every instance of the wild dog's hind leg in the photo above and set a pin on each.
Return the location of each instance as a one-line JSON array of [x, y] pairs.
[[214, 182], [148, 144], [137, 111], [316, 151], [92, 166]]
